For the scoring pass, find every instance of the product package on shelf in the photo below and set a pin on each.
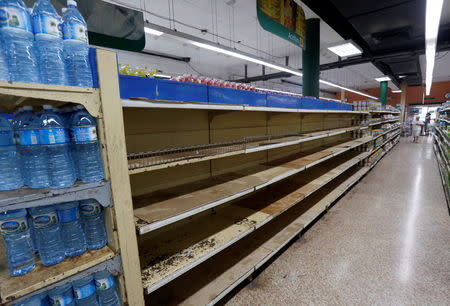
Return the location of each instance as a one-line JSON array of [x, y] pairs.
[[42, 47]]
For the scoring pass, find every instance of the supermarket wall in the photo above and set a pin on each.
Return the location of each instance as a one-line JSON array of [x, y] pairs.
[[413, 94]]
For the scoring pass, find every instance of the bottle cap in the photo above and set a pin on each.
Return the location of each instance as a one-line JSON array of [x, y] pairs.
[[71, 2], [46, 106]]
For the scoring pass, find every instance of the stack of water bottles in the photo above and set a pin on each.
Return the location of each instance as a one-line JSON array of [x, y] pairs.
[[98, 289], [49, 149], [54, 231], [43, 47]]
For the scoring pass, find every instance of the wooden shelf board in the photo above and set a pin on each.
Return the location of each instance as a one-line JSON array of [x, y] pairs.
[[15, 287], [221, 274], [161, 208], [14, 94], [148, 103], [203, 154], [258, 210]]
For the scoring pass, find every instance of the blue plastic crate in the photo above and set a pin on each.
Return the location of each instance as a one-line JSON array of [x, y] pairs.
[[180, 91], [236, 96], [137, 87], [311, 103], [279, 100]]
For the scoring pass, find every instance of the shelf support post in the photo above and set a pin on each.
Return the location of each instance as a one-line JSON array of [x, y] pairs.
[[310, 56], [111, 107]]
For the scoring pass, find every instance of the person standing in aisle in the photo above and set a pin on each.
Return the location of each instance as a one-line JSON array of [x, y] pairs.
[[427, 123], [416, 127]]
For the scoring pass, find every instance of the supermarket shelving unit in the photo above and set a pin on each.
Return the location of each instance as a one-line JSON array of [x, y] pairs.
[[120, 256], [442, 152], [204, 194]]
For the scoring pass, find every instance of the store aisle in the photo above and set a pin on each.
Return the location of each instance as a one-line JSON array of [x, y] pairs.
[[386, 242]]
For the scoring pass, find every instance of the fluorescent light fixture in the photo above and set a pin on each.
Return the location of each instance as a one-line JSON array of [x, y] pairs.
[[432, 19], [345, 49], [153, 32], [324, 98], [382, 79], [246, 58], [163, 76], [396, 91], [205, 44]]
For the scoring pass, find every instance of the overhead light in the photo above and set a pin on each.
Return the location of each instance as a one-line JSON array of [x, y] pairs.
[[163, 76], [153, 32], [396, 91], [246, 57], [432, 19], [382, 79], [205, 44], [345, 49]]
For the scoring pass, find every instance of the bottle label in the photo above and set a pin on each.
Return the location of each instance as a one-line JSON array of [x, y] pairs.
[[28, 137], [45, 220], [85, 134], [60, 300], [15, 17], [84, 291], [6, 138], [44, 24], [73, 30], [104, 283], [69, 215], [13, 226], [90, 209], [53, 136]]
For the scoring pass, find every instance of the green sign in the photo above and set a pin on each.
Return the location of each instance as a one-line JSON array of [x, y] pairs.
[[285, 19]]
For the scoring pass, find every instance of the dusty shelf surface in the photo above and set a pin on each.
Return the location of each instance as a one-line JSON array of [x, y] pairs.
[[160, 208], [15, 287], [149, 161], [220, 274], [169, 253]]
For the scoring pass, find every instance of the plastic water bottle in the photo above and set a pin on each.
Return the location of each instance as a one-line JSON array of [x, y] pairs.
[[4, 72], [94, 227], [49, 43], [15, 232], [62, 296], [84, 135], [37, 300], [33, 160], [71, 229], [76, 47], [106, 289], [54, 137], [48, 234], [84, 291], [66, 115], [10, 177], [16, 35]]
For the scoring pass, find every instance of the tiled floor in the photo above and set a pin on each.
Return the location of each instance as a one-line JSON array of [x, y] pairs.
[[386, 242]]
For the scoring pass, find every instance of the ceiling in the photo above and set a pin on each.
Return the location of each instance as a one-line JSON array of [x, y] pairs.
[[234, 23], [390, 32]]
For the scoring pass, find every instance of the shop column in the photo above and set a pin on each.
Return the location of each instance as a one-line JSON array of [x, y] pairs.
[[311, 58], [383, 92]]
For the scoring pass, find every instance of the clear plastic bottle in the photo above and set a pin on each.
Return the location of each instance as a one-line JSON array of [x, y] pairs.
[[76, 47], [37, 300], [54, 138], [4, 71], [84, 131], [67, 115], [93, 224], [33, 160], [71, 229], [106, 289], [15, 232], [34, 244], [16, 35], [49, 43], [10, 177], [84, 291], [48, 234], [62, 296]]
